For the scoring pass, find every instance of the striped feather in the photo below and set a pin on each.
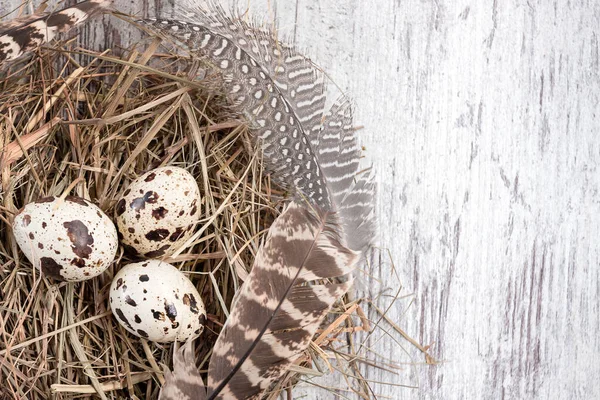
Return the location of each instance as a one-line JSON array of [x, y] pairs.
[[185, 382], [338, 155], [281, 304], [22, 35]]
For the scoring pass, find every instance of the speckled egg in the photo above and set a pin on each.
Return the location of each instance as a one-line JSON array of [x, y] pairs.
[[158, 212], [70, 239], [154, 300]]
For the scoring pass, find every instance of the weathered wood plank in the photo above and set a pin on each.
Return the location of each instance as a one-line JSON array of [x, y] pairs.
[[481, 119]]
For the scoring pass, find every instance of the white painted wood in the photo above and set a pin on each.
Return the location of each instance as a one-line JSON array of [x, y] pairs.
[[482, 120]]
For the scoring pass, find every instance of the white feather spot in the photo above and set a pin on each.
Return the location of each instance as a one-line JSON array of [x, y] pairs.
[[11, 48], [48, 31], [295, 74], [293, 59], [219, 51], [75, 14], [205, 40], [266, 134], [280, 85], [257, 110]]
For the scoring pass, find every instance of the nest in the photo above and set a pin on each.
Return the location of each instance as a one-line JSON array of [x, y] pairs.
[[87, 124]]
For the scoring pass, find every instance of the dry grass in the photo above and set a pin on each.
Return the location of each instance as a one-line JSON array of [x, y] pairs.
[[89, 127], [90, 130]]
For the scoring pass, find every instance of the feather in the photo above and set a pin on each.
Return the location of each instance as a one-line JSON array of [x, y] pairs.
[[22, 35], [281, 304], [282, 95], [185, 382]]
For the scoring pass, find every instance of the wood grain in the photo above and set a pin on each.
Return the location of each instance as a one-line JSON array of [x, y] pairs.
[[482, 121]]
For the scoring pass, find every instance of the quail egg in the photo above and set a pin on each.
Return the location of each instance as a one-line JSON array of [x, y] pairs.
[[154, 300], [70, 239], [158, 212]]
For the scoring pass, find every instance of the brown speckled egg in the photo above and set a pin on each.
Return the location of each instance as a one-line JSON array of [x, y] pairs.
[[158, 212], [70, 239], [154, 300]]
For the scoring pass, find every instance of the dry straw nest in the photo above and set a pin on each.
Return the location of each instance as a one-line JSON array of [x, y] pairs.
[[87, 124]]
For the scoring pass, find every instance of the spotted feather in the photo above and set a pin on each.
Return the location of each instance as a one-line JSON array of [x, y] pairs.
[[22, 35], [281, 94]]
